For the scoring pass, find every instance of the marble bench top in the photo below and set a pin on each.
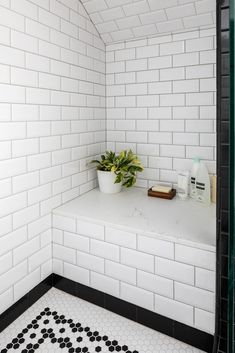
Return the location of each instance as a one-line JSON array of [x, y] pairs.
[[186, 222]]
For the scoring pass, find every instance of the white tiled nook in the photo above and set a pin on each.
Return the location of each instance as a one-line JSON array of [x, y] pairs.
[[77, 78], [157, 254]]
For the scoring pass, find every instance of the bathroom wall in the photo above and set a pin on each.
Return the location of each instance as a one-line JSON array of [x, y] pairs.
[[164, 275], [161, 101], [52, 120]]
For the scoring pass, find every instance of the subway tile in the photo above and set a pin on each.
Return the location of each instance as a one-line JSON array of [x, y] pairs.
[[77, 274], [119, 237], [147, 76], [186, 113], [9, 93], [90, 229], [147, 51], [156, 247], [24, 41], [64, 223], [6, 300], [104, 284], [25, 182], [25, 8], [137, 259], [38, 63], [200, 71], [185, 86], [205, 279], [186, 59], [39, 226], [76, 241], [6, 262], [125, 77], [105, 250], [4, 35], [49, 19], [136, 65], [26, 284], [11, 56], [59, 9], [174, 310], [174, 270], [137, 296], [172, 100], [155, 284], [204, 320], [160, 62], [12, 204], [121, 272], [40, 257], [51, 203], [196, 257], [25, 147], [37, 29], [23, 251], [64, 253], [90, 262], [5, 187], [12, 131], [172, 48], [25, 216], [11, 19], [13, 275], [199, 44], [172, 125], [196, 297]]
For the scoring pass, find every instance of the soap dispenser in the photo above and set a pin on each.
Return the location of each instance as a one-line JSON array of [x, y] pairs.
[[194, 170], [203, 187]]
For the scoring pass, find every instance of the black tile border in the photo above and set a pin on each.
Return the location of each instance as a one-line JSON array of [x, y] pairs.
[[181, 332], [12, 313]]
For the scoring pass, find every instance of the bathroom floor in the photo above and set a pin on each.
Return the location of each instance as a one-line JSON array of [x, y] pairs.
[[59, 322]]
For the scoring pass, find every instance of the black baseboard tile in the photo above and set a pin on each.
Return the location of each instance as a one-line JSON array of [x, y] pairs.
[[194, 337], [64, 284], [89, 294], [155, 321], [17, 309], [169, 327], [121, 307], [41, 289], [12, 313]]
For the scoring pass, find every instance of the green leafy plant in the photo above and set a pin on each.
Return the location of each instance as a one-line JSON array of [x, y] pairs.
[[125, 165]]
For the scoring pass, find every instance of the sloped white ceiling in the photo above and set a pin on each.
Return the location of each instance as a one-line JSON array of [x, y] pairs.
[[118, 20]]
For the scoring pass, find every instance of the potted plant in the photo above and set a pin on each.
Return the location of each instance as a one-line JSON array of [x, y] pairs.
[[115, 170]]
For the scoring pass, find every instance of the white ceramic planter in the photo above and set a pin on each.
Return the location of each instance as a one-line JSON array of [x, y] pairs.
[[107, 182]]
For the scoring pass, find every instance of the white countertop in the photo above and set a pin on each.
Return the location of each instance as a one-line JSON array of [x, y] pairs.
[[186, 222]]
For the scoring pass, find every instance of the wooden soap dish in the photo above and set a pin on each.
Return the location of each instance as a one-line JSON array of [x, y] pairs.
[[162, 195]]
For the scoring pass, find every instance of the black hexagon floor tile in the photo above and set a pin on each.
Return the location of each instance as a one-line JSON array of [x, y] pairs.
[[59, 322]]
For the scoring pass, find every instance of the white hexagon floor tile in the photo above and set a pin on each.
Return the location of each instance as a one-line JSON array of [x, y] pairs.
[[59, 322]]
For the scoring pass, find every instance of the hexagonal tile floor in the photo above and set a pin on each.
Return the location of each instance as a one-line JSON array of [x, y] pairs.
[[59, 322]]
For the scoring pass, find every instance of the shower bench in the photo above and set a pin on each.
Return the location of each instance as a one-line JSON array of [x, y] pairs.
[[154, 253]]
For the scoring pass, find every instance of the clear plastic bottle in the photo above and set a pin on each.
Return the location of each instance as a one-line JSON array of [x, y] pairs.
[[194, 170], [183, 184]]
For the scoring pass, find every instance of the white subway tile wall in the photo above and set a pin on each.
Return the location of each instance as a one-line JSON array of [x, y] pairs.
[[143, 270], [161, 101], [118, 20], [52, 121]]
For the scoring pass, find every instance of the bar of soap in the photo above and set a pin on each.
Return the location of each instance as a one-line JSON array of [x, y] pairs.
[[162, 188]]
